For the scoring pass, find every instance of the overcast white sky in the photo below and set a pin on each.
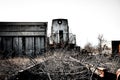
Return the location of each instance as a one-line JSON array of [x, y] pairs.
[[87, 18]]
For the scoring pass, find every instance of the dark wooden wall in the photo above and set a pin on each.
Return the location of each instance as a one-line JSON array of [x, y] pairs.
[[115, 47], [20, 39]]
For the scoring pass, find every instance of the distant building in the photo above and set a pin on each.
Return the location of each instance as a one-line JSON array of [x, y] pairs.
[[23, 38]]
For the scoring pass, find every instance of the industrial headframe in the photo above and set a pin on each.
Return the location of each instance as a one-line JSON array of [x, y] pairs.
[[60, 36]]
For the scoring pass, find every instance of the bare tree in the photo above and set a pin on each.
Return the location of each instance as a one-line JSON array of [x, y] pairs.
[[100, 41], [89, 47]]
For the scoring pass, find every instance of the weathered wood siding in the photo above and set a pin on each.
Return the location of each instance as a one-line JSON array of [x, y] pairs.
[[17, 45], [23, 38]]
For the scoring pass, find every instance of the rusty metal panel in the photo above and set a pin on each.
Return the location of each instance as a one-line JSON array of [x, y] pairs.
[[29, 46]]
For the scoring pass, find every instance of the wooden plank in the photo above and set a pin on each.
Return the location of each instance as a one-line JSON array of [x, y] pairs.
[[37, 45], [22, 34], [42, 42], [17, 45], [20, 45], [24, 23], [7, 46], [7, 41], [29, 46], [22, 28]]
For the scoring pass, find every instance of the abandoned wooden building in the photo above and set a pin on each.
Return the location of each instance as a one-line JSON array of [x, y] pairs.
[[23, 38]]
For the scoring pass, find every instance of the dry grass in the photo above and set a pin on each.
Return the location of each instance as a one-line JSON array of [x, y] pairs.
[[9, 67], [68, 62]]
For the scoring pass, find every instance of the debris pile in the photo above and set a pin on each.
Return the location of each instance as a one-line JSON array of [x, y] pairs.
[[61, 65], [58, 67]]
